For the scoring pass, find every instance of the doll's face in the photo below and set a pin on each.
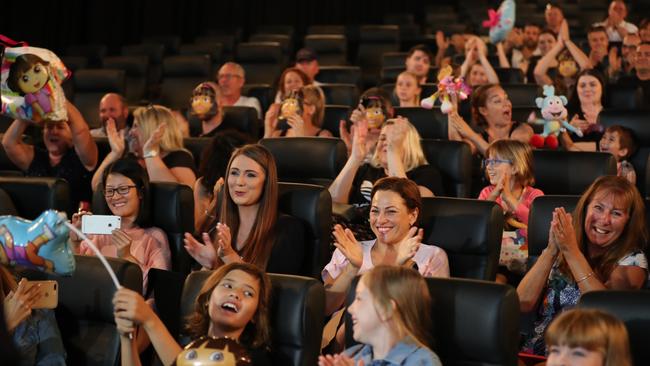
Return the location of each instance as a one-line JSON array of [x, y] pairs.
[[568, 68], [290, 107], [33, 79], [375, 117], [201, 104]]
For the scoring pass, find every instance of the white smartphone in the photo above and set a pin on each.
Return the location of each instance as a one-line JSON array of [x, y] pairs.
[[100, 224]]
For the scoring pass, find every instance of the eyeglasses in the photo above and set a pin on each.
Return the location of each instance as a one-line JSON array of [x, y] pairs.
[[122, 190], [488, 162]]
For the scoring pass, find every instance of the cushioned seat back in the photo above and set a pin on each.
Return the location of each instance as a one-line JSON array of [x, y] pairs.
[[181, 74], [7, 204], [227, 41], [468, 230], [539, 221], [334, 114], [509, 75], [453, 159], [94, 53], [522, 94], [154, 52], [136, 69], [570, 172], [623, 97], [212, 49], [326, 29], [330, 48], [171, 42], [243, 118], [374, 40], [196, 145], [103, 147], [343, 94], [171, 210], [389, 74], [313, 160], [283, 39], [311, 204], [296, 312], [85, 309], [430, 123], [639, 122], [474, 322], [631, 307], [340, 75], [263, 61], [90, 85], [262, 92], [393, 59], [33, 195]]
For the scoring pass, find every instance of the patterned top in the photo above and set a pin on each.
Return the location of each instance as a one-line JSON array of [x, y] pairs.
[[563, 293]]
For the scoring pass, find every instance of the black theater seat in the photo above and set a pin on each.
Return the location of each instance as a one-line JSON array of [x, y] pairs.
[[90, 85]]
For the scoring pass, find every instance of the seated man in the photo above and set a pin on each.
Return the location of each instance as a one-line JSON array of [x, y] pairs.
[[307, 62], [615, 24], [418, 62], [69, 153], [231, 79], [112, 106]]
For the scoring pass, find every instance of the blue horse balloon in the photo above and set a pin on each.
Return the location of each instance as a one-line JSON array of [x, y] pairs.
[[41, 244]]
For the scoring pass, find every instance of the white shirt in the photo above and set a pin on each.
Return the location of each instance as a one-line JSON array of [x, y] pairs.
[[612, 32], [250, 102]]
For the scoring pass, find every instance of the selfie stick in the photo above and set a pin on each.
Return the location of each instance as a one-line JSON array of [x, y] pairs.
[[97, 253]]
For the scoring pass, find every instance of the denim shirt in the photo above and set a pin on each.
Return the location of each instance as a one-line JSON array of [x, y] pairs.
[[406, 353], [38, 340]]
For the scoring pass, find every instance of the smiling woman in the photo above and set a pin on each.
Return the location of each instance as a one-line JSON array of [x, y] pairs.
[[602, 250]]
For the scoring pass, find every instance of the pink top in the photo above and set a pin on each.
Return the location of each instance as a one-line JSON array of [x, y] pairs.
[[149, 247], [525, 201], [431, 260]]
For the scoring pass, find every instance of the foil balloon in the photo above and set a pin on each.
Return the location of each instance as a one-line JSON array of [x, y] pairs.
[[448, 87], [30, 84], [41, 244], [500, 21], [209, 351]]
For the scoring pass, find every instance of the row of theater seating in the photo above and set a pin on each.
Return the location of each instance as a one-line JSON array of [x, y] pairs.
[[474, 322]]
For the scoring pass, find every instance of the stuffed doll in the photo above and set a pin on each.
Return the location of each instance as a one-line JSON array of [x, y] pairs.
[[554, 119], [30, 84], [500, 21], [41, 244], [376, 112], [448, 88], [204, 101]]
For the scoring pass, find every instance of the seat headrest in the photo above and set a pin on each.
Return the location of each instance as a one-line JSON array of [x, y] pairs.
[[637, 121], [379, 33], [570, 172], [299, 158], [170, 42], [539, 219], [133, 65], [6, 204], [187, 66], [326, 43], [430, 123], [259, 52], [100, 80], [155, 51], [33, 195], [214, 49], [454, 160]]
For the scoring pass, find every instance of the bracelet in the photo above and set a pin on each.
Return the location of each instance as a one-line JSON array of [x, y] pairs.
[[585, 277], [150, 154]]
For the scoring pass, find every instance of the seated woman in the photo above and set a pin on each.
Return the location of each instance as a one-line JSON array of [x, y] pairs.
[[375, 107], [492, 112], [391, 317], [156, 139], [212, 171], [127, 194], [291, 80], [584, 107], [600, 247], [396, 206], [241, 285], [307, 123], [476, 68], [407, 90], [587, 337], [34, 332], [246, 225]]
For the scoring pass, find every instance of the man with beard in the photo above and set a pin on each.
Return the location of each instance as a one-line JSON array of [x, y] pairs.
[[69, 152], [418, 62], [112, 106]]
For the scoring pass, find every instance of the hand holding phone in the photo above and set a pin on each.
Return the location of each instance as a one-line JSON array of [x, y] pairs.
[[100, 224], [49, 298]]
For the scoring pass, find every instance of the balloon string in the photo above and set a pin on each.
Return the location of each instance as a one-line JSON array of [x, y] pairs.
[[97, 253]]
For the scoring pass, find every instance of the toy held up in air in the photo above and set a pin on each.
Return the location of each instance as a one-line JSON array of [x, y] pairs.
[[41, 244], [209, 351], [376, 112], [554, 119], [500, 21], [30, 84], [448, 87], [204, 101]]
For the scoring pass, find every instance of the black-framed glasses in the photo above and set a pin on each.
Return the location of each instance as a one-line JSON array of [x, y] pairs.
[[489, 162], [122, 190]]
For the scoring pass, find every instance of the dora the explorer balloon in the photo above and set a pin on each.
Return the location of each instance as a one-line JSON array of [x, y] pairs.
[[375, 111], [208, 351], [30, 85], [204, 101]]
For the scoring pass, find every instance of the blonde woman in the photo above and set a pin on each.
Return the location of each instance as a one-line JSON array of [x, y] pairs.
[[398, 154], [391, 319], [309, 123]]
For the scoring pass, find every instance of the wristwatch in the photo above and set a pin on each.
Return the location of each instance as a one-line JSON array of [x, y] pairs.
[[150, 154]]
